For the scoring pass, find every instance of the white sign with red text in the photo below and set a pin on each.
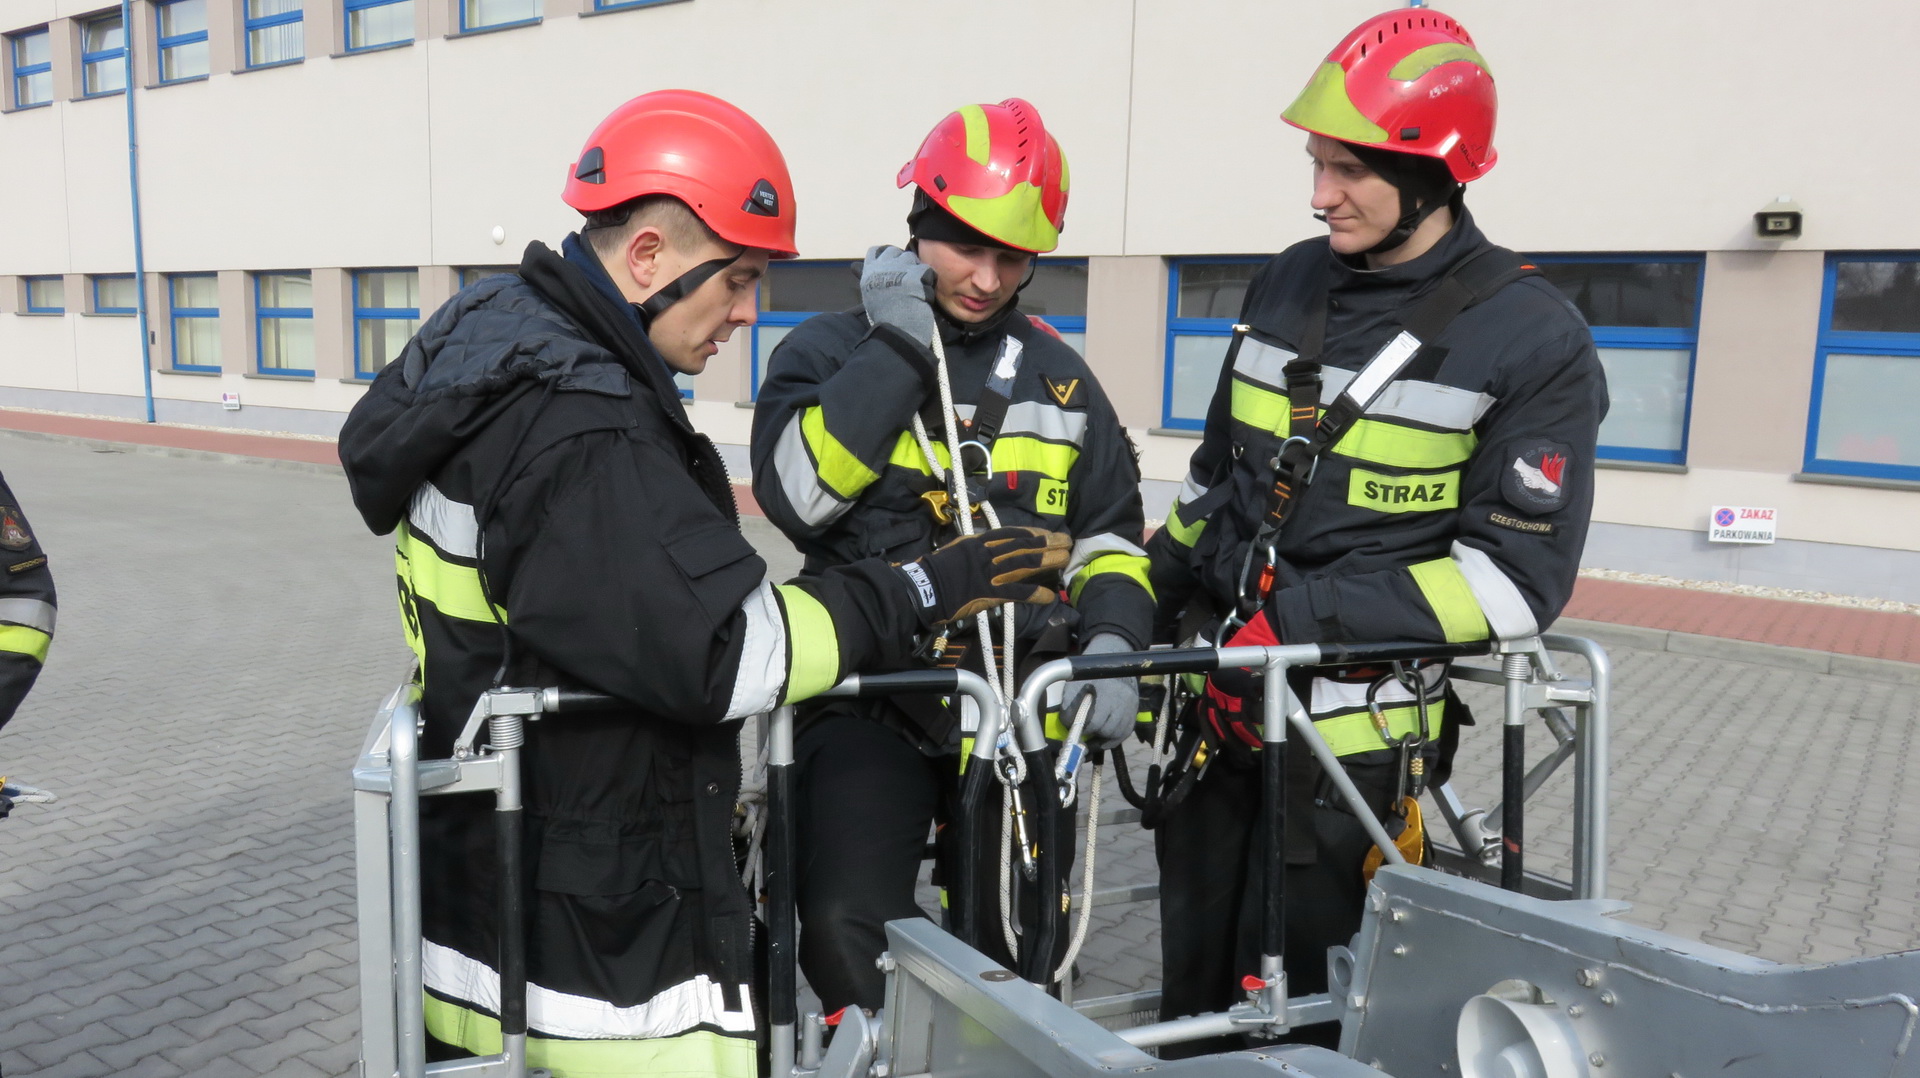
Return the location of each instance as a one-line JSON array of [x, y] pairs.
[[1740, 524]]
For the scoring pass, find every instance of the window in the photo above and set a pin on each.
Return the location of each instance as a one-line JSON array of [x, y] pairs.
[[103, 55], [1203, 299], [46, 295], [1866, 369], [373, 23], [470, 275], [1645, 314], [32, 58], [791, 293], [182, 26], [386, 312], [1058, 295], [193, 309], [621, 5], [489, 14], [115, 293], [276, 33], [283, 321]]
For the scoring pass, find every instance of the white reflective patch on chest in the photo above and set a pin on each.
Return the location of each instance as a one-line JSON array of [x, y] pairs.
[[1263, 362]]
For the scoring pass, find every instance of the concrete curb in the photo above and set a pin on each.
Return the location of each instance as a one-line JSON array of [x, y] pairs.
[[102, 445], [1746, 651]]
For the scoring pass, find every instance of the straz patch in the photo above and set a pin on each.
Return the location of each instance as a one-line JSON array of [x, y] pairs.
[[1535, 479], [13, 529], [1403, 493], [1063, 390], [1050, 498], [1531, 527]]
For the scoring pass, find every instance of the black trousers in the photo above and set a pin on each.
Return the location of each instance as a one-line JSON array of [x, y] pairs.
[[864, 798], [1211, 893]]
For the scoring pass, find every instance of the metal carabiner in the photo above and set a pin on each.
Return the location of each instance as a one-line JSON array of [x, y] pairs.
[[986, 457], [1313, 466]]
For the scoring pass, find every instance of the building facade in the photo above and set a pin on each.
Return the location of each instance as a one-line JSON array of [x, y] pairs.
[[315, 175]]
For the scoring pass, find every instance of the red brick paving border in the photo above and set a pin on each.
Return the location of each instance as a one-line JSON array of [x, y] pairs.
[[1815, 626]]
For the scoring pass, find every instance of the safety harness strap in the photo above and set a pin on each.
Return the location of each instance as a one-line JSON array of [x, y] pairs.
[[995, 397]]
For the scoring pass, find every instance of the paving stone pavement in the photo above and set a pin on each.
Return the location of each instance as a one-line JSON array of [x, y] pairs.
[[228, 628]]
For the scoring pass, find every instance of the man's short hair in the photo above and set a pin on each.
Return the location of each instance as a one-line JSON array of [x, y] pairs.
[[609, 230]]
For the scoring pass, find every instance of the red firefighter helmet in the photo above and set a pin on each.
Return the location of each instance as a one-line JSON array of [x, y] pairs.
[[1410, 81], [996, 168], [702, 151]]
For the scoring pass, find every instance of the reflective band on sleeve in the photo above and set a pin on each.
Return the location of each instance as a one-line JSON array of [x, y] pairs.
[[24, 641], [1093, 546], [1131, 566], [1436, 405], [674, 1009], [839, 469], [1348, 734], [1403, 493], [1183, 533], [813, 661], [1376, 441], [33, 613], [1506, 610], [762, 672], [453, 589], [1012, 453], [452, 526], [793, 465], [1451, 599]]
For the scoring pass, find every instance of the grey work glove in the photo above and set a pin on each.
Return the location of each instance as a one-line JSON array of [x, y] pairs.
[[894, 289], [1116, 701]]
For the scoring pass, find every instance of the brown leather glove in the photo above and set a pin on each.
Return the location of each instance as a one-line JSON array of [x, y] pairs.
[[979, 572]]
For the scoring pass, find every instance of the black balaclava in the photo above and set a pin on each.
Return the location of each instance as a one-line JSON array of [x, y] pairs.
[[928, 220], [1425, 184]]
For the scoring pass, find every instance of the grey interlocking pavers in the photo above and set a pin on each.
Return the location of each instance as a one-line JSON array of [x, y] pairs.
[[226, 631]]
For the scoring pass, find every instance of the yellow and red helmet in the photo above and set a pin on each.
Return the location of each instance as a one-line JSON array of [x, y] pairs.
[[1410, 81], [997, 169]]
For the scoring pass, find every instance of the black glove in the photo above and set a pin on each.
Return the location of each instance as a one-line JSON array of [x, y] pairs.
[[979, 572]]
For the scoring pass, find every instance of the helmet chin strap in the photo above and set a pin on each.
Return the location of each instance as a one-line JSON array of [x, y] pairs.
[[680, 287], [1412, 215]]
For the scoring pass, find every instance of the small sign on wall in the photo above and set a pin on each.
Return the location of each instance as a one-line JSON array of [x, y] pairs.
[[230, 401], [1740, 524]]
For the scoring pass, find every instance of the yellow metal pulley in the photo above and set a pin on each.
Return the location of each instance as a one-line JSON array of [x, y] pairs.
[[1411, 841]]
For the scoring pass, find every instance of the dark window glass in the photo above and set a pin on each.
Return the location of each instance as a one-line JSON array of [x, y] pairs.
[[810, 286], [1660, 295], [1877, 297], [1214, 290], [1057, 290]]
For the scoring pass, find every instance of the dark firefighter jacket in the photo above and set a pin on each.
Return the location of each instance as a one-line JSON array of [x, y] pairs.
[[26, 605], [837, 468], [1454, 509], [559, 522]]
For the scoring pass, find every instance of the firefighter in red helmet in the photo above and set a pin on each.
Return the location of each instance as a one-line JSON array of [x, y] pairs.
[[1400, 447], [560, 522], [873, 426]]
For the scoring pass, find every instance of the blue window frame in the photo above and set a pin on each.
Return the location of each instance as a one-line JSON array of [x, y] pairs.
[[193, 319], [622, 5], [497, 14], [47, 295], [115, 293], [374, 24], [103, 55], [1866, 368], [31, 56], [1645, 313], [1203, 299], [283, 323], [1057, 294], [791, 293], [276, 32], [181, 26], [386, 314]]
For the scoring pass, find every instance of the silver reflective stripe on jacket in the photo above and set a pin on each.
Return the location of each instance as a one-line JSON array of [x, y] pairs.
[[672, 1010], [762, 675], [800, 477], [1046, 422], [1095, 546], [1506, 610], [33, 613], [1263, 362], [450, 525]]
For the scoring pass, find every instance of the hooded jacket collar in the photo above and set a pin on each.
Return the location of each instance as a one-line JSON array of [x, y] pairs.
[[1413, 275]]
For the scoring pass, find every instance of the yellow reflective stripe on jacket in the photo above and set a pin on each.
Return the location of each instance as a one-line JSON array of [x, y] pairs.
[[1131, 566], [1184, 534], [453, 589], [839, 469], [813, 647], [1451, 599], [701, 1053], [24, 641], [1348, 734], [906, 454], [1013, 453], [1373, 440]]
